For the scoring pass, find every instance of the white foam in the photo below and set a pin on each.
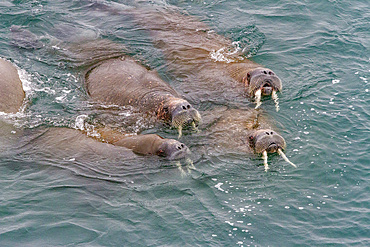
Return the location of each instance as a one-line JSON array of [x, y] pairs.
[[226, 54], [218, 186], [335, 81], [80, 122]]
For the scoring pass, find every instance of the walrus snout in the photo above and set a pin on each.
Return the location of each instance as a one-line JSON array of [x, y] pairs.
[[266, 140], [183, 114], [267, 89], [172, 149], [264, 79], [273, 147]]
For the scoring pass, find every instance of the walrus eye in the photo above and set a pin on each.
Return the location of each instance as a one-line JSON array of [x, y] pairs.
[[251, 138], [165, 109], [248, 76]]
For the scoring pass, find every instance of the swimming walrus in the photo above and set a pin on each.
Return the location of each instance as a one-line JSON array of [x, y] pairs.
[[192, 48], [11, 90], [245, 130], [122, 81], [76, 143], [149, 144]]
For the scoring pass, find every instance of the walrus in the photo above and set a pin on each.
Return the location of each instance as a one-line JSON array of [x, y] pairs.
[[149, 144], [11, 90], [246, 130], [74, 141], [124, 82], [191, 47]]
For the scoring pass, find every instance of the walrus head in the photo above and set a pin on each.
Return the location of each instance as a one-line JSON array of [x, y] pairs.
[[179, 113], [262, 82], [172, 149], [268, 141]]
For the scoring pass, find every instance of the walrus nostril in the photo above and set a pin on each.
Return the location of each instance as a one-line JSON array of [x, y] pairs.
[[184, 107], [179, 147], [265, 72]]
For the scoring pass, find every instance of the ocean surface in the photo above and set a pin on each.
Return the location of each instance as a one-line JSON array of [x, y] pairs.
[[55, 192]]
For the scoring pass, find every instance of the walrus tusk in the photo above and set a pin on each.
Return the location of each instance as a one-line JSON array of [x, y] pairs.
[[285, 158], [194, 127], [257, 95], [264, 157], [190, 163], [180, 131], [178, 164], [276, 99]]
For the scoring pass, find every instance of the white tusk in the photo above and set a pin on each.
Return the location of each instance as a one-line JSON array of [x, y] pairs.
[[285, 158], [178, 164], [264, 157], [190, 163], [257, 95], [276, 99], [180, 131], [194, 127]]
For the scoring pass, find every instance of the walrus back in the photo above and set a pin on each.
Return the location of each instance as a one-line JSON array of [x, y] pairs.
[[122, 81], [11, 90], [192, 46]]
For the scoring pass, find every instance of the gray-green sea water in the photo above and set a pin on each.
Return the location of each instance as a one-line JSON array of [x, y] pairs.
[[55, 194]]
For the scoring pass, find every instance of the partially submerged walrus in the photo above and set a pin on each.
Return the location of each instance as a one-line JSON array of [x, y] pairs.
[[77, 143], [192, 47], [11, 90], [246, 130], [149, 144], [122, 81]]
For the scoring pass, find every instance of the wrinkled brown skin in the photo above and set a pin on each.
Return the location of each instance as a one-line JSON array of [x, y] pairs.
[[150, 144], [11, 90], [122, 81], [66, 143], [188, 43], [245, 130]]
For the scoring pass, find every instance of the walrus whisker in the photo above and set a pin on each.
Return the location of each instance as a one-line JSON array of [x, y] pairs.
[[276, 100], [257, 95], [285, 158], [264, 157]]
